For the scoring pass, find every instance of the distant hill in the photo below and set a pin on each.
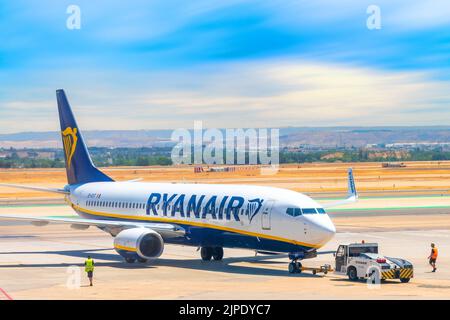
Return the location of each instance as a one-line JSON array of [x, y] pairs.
[[107, 138], [360, 136], [291, 137]]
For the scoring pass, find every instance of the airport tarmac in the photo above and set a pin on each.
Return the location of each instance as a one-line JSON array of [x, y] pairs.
[[40, 262]]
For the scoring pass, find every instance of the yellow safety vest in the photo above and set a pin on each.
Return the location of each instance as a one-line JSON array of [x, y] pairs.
[[89, 265]]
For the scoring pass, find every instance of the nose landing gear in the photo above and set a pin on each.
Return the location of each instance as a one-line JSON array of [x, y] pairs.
[[295, 266]]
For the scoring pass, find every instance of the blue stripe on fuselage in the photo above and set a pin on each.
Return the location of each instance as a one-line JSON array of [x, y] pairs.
[[204, 236]]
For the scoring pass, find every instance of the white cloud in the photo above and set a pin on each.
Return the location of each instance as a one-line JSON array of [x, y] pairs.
[[254, 94]]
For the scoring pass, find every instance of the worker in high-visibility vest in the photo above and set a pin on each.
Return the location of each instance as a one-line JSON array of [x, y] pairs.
[[89, 268], [433, 256]]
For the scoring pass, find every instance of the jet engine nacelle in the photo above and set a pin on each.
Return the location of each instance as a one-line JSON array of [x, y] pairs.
[[139, 243]]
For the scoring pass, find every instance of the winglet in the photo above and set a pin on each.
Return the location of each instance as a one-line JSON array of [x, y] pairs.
[[351, 185], [352, 194]]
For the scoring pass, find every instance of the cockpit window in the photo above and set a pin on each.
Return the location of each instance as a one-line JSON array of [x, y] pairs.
[[321, 210], [309, 211], [294, 212]]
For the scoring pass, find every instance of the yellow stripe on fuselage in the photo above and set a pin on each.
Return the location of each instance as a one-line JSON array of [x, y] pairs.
[[196, 224]]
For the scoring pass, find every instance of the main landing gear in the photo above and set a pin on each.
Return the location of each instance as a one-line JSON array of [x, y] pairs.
[[295, 266], [215, 253], [132, 260]]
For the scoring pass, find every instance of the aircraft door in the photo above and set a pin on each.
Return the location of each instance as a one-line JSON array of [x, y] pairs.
[[266, 215]]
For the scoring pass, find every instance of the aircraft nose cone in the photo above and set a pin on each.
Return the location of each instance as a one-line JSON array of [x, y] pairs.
[[327, 230], [323, 229], [329, 227]]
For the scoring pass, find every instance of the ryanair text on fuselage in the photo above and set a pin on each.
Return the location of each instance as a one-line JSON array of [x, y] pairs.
[[215, 207]]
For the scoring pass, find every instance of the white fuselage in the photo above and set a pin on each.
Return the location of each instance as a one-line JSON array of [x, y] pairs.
[[255, 217]]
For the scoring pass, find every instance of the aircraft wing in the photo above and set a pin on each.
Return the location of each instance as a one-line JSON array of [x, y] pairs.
[[352, 194], [165, 230]]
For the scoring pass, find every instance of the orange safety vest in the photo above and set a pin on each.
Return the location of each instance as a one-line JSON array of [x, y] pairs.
[[434, 253]]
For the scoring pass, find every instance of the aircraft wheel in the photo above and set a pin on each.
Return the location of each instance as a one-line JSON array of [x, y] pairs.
[[217, 253], [292, 267], [206, 253], [298, 267], [142, 260], [130, 260], [404, 280]]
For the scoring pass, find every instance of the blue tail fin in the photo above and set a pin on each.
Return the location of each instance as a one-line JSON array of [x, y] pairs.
[[79, 166]]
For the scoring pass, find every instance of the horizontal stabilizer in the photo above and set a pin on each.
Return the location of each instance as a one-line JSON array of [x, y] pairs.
[[42, 189]]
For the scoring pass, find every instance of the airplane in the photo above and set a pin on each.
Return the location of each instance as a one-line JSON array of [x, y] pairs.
[[143, 217]]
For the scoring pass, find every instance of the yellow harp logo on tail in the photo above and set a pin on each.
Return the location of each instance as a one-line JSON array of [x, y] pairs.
[[70, 143]]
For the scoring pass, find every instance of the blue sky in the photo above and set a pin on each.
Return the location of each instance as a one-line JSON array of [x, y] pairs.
[[164, 64]]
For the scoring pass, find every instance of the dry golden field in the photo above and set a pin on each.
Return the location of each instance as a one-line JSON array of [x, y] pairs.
[[422, 177]]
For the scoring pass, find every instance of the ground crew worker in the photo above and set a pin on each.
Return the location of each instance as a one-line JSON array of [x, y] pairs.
[[433, 256], [89, 268]]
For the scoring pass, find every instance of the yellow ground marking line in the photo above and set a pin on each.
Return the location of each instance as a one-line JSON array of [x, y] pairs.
[[196, 224]]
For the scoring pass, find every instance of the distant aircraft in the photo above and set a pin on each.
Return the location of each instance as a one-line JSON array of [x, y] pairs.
[[142, 217]]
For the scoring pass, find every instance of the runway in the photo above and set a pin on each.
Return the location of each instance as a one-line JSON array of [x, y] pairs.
[[41, 262]]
